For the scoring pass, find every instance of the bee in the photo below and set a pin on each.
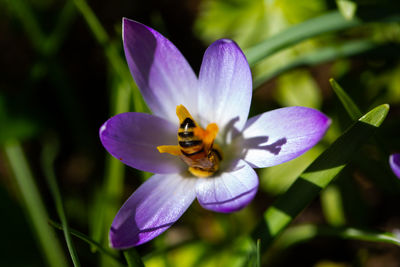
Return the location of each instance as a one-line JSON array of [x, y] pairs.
[[195, 145]]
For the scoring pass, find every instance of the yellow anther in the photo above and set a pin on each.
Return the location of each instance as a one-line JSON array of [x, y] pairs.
[[183, 113], [173, 150]]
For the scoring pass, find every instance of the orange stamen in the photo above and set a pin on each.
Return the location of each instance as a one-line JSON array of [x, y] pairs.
[[208, 135]]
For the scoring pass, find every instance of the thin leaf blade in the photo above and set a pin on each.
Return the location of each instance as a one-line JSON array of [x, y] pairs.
[[317, 176], [351, 108]]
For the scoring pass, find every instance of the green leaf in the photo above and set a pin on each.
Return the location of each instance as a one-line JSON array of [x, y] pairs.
[[306, 93], [348, 8], [277, 179], [34, 205], [333, 21], [317, 176], [318, 56], [332, 206], [351, 108]]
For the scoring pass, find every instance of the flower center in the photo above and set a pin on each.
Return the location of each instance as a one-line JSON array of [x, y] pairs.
[[195, 145]]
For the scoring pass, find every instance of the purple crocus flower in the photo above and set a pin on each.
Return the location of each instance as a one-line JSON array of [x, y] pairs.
[[394, 162], [220, 97]]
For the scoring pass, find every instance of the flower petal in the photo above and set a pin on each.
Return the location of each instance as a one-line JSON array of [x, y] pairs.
[[133, 139], [230, 190], [151, 209], [225, 85], [394, 161], [163, 75], [280, 135]]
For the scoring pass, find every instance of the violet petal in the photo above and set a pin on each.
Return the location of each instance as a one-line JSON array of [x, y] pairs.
[[163, 75], [229, 190], [280, 135], [225, 85], [133, 138], [151, 209], [394, 161]]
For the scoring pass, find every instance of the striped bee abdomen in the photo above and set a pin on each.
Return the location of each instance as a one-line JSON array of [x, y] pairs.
[[190, 144]]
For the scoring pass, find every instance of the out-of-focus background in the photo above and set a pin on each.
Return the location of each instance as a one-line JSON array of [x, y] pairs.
[[63, 74]]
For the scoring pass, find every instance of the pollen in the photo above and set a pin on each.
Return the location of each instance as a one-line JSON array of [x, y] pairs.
[[195, 145]]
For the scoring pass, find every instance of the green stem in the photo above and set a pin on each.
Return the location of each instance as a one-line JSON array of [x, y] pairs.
[[88, 240], [34, 205], [133, 258]]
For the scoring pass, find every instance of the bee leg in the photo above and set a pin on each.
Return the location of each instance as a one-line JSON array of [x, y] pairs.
[[218, 149], [173, 150]]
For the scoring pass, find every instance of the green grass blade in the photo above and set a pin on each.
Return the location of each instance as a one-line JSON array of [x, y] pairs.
[[258, 258], [94, 24], [48, 156], [359, 234], [113, 184], [111, 52], [319, 56], [332, 21], [317, 176], [22, 10], [133, 258], [351, 108], [65, 18], [88, 240], [34, 205]]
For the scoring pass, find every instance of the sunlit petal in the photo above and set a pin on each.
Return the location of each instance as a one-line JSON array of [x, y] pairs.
[[152, 209], [230, 190], [282, 134]]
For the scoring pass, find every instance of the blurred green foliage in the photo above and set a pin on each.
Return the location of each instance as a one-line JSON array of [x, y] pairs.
[[64, 74]]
